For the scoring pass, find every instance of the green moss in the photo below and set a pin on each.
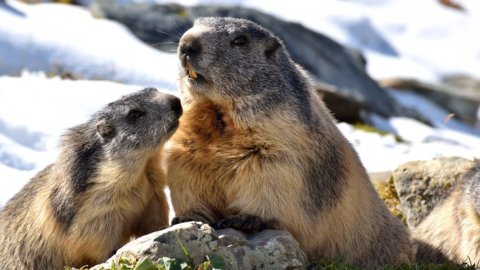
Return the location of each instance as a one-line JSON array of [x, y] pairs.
[[369, 128], [387, 192], [372, 129], [183, 14], [447, 186]]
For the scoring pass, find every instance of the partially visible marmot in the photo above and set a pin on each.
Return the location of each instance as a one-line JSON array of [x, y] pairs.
[[451, 232], [256, 146], [105, 187]]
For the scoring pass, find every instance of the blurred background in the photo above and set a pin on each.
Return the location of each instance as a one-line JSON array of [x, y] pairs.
[[401, 77]]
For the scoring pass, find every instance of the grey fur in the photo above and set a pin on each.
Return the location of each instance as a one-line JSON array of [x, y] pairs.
[[63, 207], [325, 182]]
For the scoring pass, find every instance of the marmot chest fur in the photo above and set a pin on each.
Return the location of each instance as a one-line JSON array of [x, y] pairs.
[[105, 187]]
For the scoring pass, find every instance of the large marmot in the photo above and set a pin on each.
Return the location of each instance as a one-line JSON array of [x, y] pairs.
[[257, 146], [451, 232], [105, 187]]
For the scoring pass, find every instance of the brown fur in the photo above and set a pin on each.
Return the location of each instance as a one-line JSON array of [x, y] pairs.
[[54, 221], [228, 159], [451, 232]]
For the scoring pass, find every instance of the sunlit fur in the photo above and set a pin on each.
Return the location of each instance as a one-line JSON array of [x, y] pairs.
[[255, 139], [91, 201], [452, 231]]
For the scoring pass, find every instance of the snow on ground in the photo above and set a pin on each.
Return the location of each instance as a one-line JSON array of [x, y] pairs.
[[419, 141], [36, 110], [53, 37]]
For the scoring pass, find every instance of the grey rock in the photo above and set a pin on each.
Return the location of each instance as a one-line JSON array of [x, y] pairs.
[[329, 63], [457, 94], [341, 104], [269, 249], [470, 86], [421, 185]]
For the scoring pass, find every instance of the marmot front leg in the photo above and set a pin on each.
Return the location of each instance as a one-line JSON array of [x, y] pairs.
[[241, 222]]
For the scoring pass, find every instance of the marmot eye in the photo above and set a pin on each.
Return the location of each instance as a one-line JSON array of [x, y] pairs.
[[239, 41], [135, 114]]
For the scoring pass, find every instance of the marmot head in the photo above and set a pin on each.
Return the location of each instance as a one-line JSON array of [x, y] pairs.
[[137, 122], [235, 60], [125, 131]]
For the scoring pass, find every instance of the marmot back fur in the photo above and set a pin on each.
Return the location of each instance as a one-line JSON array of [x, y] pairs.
[[451, 232], [256, 143], [105, 187]]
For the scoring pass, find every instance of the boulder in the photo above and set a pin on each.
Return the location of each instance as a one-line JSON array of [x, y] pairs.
[[459, 95], [269, 249], [341, 104], [421, 185], [470, 86], [330, 64]]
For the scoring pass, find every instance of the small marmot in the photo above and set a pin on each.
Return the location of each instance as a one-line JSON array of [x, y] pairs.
[[451, 232], [105, 187], [257, 147]]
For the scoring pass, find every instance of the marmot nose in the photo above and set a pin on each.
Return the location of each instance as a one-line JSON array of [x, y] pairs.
[[190, 48], [175, 105]]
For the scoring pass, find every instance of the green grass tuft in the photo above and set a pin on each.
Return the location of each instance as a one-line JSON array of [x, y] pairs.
[[215, 262], [337, 265], [387, 192], [212, 262]]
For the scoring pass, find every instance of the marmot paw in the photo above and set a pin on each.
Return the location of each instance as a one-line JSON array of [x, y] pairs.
[[244, 223], [197, 218]]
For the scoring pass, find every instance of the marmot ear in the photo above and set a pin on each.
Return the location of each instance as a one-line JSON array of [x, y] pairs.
[[104, 129], [271, 48]]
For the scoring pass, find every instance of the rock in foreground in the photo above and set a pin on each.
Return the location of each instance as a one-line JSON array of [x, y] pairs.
[[270, 249]]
